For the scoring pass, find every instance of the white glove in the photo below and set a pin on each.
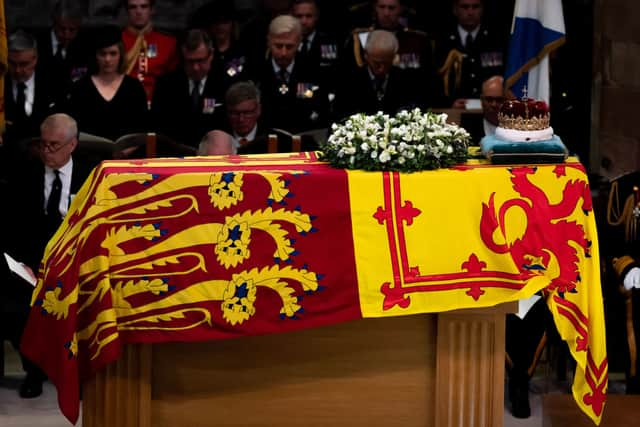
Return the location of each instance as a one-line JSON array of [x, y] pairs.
[[632, 279]]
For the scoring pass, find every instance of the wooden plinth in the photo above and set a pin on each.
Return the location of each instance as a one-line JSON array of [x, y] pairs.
[[560, 410], [425, 370]]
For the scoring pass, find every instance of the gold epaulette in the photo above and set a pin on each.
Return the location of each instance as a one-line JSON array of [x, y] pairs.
[[621, 264], [416, 32], [358, 6], [357, 46], [453, 61]]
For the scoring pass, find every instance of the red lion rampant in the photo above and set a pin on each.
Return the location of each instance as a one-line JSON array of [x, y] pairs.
[[546, 224]]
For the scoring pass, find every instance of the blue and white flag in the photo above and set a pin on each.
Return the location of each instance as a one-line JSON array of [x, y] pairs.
[[537, 29]]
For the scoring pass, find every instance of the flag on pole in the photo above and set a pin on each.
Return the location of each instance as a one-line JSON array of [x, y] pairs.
[[3, 63], [537, 29]]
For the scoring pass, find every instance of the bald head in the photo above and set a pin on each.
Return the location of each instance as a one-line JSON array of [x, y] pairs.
[[216, 143], [492, 98]]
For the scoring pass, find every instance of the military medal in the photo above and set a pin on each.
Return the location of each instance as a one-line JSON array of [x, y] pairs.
[[208, 105], [152, 51], [283, 89]]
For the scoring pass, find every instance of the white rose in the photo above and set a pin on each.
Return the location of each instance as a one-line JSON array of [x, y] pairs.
[[384, 157]]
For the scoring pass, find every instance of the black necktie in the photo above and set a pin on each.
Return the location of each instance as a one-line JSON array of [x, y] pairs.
[[378, 84], [284, 75], [53, 204], [195, 96], [21, 99], [468, 45], [305, 46], [58, 55]]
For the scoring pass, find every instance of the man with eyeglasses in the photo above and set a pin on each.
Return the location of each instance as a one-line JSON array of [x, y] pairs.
[[491, 99], [28, 95], [40, 192], [243, 106], [187, 102]]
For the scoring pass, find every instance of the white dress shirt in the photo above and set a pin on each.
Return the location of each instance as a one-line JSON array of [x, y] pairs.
[[65, 194], [28, 95]]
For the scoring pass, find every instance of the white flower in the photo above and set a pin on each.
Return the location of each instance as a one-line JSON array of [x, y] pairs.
[[364, 147], [384, 156], [374, 154]]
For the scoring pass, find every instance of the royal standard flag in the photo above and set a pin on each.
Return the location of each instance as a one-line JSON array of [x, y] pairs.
[[537, 29], [211, 248]]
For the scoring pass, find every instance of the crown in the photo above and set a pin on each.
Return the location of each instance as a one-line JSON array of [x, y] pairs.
[[524, 114]]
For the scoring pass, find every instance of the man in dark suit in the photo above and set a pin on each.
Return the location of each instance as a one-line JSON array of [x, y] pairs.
[[27, 93], [379, 86], [186, 103], [244, 109], [293, 98], [61, 52], [40, 192], [471, 47], [318, 49]]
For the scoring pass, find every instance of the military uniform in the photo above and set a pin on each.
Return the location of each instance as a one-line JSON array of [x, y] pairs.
[[463, 69], [321, 55], [414, 49], [295, 104], [620, 247], [154, 55]]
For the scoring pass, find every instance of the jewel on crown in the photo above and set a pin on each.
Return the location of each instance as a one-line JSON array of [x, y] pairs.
[[524, 114]]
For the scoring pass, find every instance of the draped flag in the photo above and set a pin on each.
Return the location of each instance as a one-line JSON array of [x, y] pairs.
[[3, 64], [537, 29], [211, 248]]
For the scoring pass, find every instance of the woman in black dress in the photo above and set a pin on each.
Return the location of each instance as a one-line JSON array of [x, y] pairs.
[[107, 102]]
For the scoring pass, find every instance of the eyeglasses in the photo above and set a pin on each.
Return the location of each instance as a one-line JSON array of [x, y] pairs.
[[493, 99], [53, 146], [243, 113]]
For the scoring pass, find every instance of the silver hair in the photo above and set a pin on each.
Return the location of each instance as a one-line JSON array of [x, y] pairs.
[[285, 24], [21, 40], [382, 40], [214, 137], [61, 121], [242, 91]]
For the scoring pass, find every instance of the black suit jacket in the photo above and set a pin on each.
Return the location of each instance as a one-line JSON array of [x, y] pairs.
[[298, 105], [62, 72], [172, 112], [29, 231], [43, 100], [357, 94], [487, 58]]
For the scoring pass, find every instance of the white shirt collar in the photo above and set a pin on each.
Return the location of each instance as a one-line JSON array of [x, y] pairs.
[[55, 43], [276, 67], [310, 38], [489, 128], [463, 33], [29, 92], [202, 83], [249, 137]]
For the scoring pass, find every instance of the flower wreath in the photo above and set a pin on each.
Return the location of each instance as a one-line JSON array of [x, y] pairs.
[[409, 141]]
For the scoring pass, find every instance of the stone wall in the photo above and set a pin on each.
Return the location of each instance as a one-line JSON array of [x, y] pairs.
[[615, 147]]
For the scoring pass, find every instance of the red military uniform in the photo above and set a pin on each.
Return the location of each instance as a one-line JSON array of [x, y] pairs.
[[153, 56]]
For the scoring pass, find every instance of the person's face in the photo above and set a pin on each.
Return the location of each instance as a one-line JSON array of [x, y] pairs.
[[139, 13], [244, 116], [379, 62], [56, 147], [108, 59], [468, 13], [307, 13], [284, 47], [388, 13], [222, 29], [22, 64], [198, 62], [66, 30], [492, 98]]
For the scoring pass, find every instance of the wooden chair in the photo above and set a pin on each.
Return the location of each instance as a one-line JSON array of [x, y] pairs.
[[150, 145]]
